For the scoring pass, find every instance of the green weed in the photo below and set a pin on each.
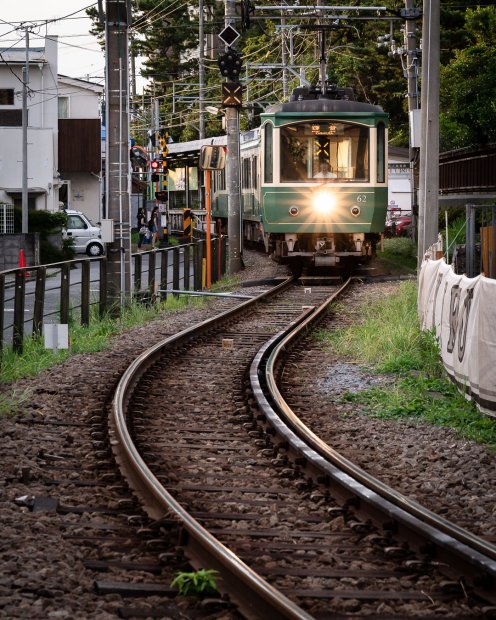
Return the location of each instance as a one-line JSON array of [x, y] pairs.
[[202, 581], [12, 404], [389, 341], [401, 252]]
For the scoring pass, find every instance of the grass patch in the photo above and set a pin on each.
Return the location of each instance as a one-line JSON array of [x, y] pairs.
[[96, 337], [401, 252], [11, 405], [390, 341]]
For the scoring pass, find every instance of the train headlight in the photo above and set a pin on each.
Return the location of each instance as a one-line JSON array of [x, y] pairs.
[[324, 201]]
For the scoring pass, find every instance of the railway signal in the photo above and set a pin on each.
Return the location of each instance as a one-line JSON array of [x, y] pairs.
[[230, 64], [154, 165], [232, 94]]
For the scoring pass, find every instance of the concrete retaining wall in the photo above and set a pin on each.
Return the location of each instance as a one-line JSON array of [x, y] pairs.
[[10, 247]]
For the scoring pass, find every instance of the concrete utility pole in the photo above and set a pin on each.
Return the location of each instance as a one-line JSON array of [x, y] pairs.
[[117, 22], [201, 59], [412, 66], [25, 195], [235, 219], [429, 147]]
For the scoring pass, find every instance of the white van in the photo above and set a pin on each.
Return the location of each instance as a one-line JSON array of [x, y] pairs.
[[86, 236]]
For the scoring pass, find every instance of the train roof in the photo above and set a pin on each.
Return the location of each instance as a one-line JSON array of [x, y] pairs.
[[186, 153], [324, 105]]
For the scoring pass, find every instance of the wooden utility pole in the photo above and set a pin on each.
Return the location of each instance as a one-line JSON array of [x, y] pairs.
[[117, 22], [429, 146]]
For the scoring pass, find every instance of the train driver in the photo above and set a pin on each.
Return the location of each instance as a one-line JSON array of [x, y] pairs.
[[325, 171]]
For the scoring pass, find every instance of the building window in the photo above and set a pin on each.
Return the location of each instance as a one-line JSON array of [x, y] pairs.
[[63, 107], [6, 96], [11, 118]]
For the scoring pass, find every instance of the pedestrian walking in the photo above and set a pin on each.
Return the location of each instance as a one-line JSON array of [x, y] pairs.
[[142, 227], [153, 226]]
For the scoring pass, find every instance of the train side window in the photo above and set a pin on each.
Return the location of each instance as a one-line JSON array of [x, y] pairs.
[[268, 154], [221, 180], [381, 153], [254, 177], [246, 173]]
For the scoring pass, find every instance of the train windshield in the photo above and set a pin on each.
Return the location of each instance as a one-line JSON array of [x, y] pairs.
[[316, 150]]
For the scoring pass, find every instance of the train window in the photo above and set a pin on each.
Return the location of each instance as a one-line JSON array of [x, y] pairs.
[[381, 153], [246, 173], [254, 177], [324, 149], [268, 146], [221, 180]]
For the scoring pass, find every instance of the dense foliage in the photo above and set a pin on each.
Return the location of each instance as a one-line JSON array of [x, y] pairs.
[[165, 38]]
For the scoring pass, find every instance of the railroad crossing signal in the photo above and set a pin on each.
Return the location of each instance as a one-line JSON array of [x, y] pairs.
[[232, 93], [154, 165]]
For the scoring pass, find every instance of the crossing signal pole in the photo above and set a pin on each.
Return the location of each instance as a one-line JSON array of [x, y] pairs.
[[231, 69]]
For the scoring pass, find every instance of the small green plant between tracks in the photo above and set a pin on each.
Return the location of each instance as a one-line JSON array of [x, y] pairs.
[[196, 583], [390, 342]]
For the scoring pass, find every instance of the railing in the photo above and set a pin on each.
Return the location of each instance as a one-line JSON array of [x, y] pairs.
[[468, 170], [65, 292]]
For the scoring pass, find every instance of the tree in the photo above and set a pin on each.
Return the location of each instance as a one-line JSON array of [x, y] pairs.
[[468, 86]]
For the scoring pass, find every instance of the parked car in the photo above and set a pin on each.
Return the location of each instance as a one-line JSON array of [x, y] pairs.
[[85, 235], [398, 223]]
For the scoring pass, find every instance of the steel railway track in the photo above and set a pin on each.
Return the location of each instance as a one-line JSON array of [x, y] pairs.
[[255, 500]]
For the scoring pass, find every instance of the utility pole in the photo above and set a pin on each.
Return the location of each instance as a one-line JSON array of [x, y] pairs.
[[429, 146], [284, 57], [411, 71], [25, 82], [235, 219], [117, 22], [201, 54]]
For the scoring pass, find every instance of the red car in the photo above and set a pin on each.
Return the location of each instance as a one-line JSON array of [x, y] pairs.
[[398, 224]]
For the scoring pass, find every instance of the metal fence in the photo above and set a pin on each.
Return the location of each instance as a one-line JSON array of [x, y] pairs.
[[6, 218], [66, 292]]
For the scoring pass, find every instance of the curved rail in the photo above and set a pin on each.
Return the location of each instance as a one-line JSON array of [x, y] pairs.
[[470, 549], [257, 598]]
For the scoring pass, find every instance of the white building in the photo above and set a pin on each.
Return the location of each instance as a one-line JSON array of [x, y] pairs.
[[64, 156], [399, 180]]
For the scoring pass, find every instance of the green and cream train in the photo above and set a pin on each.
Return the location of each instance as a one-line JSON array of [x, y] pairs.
[[313, 180]]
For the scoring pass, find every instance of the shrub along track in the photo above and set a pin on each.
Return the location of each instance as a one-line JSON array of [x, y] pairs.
[[196, 425]]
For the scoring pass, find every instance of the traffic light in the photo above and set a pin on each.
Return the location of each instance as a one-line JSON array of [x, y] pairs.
[[232, 94], [230, 64], [161, 196], [154, 165]]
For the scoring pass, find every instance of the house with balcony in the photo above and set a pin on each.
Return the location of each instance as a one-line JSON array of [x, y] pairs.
[[64, 163]]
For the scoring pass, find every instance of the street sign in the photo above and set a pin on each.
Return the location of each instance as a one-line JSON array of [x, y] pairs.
[[229, 35]]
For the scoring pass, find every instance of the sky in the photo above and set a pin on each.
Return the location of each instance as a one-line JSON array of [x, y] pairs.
[[79, 52]]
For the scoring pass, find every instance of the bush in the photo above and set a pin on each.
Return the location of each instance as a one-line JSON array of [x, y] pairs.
[[46, 223]]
